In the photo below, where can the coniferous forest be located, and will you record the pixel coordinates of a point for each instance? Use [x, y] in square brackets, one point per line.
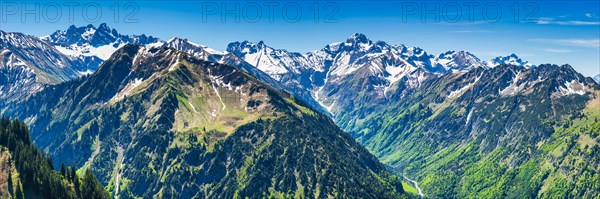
[27, 172]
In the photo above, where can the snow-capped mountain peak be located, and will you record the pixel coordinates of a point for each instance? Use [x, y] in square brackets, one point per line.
[95, 37]
[92, 45]
[511, 59]
[358, 38]
[453, 61]
[246, 47]
[357, 43]
[274, 62]
[597, 78]
[192, 48]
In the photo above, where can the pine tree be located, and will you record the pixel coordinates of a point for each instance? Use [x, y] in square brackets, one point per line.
[63, 170]
[73, 175]
[49, 160]
[91, 188]
[76, 183]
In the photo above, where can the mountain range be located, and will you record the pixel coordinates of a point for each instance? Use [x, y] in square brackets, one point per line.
[157, 122]
[418, 113]
[93, 44]
[500, 132]
[147, 116]
[369, 68]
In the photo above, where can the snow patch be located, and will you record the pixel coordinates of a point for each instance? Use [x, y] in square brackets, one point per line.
[86, 50]
[469, 117]
[460, 91]
[87, 72]
[513, 88]
[217, 81]
[572, 87]
[127, 90]
[172, 67]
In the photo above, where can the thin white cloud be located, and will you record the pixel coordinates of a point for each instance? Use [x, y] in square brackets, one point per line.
[547, 20]
[472, 31]
[589, 15]
[586, 43]
[543, 22]
[556, 50]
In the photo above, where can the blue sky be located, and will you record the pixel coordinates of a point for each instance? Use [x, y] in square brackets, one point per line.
[557, 32]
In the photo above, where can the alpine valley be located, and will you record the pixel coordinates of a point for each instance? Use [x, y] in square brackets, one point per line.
[459, 126]
[355, 119]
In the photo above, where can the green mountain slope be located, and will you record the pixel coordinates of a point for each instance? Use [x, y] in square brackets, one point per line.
[505, 132]
[26, 172]
[159, 123]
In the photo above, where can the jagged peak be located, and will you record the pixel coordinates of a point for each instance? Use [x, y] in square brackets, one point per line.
[358, 38]
[458, 53]
[463, 55]
[380, 43]
[104, 26]
[247, 46]
[184, 44]
[94, 36]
